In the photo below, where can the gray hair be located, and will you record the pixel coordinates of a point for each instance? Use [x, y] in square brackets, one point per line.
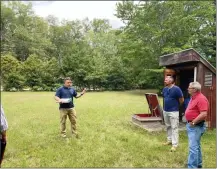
[195, 85]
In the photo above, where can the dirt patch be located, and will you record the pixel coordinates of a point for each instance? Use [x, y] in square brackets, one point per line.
[152, 126]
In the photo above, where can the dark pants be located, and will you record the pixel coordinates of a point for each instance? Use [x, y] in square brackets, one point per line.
[3, 145]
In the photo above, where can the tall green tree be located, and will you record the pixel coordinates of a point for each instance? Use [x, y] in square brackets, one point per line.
[163, 27]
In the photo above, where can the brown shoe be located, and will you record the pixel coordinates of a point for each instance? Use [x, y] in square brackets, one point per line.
[173, 148]
[63, 135]
[167, 143]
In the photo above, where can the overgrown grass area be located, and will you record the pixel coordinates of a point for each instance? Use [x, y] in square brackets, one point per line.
[107, 136]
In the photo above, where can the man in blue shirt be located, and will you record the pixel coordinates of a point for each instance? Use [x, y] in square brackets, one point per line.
[173, 97]
[64, 96]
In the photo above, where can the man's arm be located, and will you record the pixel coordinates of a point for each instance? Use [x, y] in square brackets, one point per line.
[202, 116]
[58, 100]
[82, 93]
[181, 100]
[4, 138]
[180, 96]
[78, 96]
[203, 109]
[57, 96]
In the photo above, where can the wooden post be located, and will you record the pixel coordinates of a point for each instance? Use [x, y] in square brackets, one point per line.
[195, 74]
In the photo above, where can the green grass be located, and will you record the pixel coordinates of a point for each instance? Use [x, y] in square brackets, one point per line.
[108, 138]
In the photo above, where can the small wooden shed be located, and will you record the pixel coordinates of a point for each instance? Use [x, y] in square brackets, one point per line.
[188, 66]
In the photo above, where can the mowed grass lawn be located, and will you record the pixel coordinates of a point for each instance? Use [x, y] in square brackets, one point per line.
[107, 136]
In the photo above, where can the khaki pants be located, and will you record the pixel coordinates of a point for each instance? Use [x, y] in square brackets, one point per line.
[171, 120]
[71, 113]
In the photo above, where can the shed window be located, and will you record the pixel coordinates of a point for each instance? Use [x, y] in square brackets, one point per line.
[208, 79]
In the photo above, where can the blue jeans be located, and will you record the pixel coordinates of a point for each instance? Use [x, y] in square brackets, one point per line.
[194, 136]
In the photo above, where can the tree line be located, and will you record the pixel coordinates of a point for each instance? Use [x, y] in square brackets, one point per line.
[38, 52]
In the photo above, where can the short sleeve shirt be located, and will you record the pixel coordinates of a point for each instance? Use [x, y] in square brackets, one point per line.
[66, 93]
[171, 98]
[197, 104]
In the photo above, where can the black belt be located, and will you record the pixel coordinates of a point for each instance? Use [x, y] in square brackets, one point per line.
[198, 124]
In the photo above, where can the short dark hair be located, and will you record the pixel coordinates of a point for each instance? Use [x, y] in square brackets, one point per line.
[67, 78]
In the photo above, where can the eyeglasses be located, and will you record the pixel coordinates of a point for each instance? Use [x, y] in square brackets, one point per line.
[190, 88]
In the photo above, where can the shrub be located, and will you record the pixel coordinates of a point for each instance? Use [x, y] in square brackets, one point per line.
[14, 80]
[37, 88]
